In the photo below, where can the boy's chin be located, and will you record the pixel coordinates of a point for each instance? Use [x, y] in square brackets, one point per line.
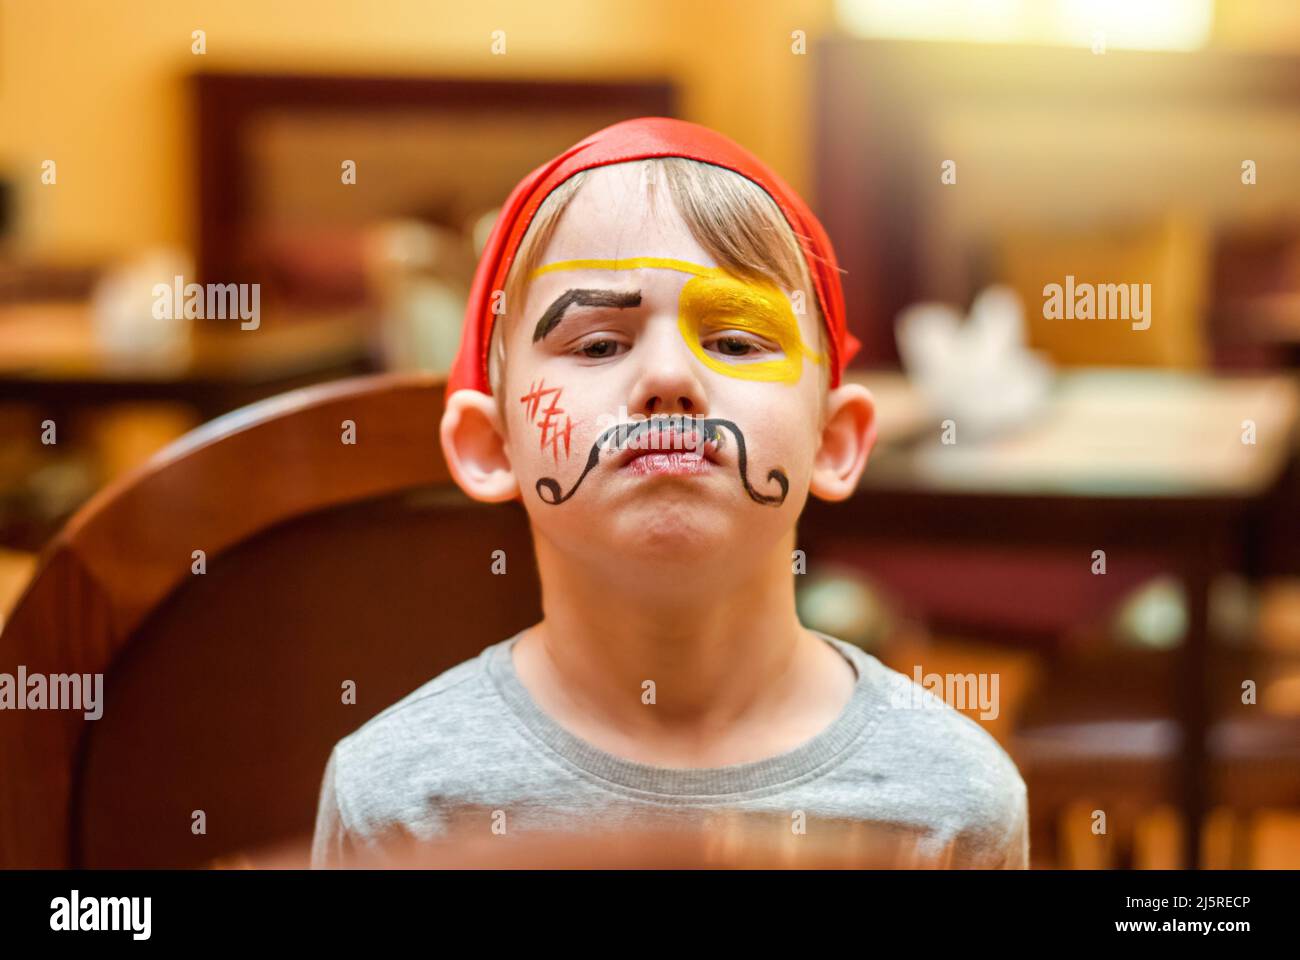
[679, 534]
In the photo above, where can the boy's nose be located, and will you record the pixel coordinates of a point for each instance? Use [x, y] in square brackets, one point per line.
[668, 374]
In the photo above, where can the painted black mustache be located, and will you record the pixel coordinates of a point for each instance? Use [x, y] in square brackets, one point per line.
[623, 434]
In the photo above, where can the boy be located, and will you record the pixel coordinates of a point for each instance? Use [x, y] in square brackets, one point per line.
[651, 362]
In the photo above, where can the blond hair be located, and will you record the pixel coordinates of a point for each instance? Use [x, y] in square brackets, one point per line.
[730, 216]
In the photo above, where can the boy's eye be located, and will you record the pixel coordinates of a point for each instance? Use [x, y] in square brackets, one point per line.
[735, 345]
[598, 349]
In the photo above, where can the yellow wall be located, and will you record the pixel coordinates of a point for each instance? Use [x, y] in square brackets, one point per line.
[99, 86]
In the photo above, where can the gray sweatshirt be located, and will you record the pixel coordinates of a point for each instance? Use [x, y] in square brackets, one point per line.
[473, 737]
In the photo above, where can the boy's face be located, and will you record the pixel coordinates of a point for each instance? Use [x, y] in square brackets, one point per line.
[594, 347]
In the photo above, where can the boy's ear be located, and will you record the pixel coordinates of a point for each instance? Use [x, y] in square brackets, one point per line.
[846, 441]
[473, 441]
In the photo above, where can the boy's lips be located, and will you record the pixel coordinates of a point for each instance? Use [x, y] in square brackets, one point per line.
[668, 447]
[670, 463]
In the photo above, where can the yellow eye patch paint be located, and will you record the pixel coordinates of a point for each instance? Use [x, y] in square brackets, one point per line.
[714, 301]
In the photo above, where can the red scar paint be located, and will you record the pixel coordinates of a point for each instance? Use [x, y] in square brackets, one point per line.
[552, 432]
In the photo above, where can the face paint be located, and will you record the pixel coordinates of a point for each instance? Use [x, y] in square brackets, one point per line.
[633, 435]
[549, 425]
[713, 304]
[714, 301]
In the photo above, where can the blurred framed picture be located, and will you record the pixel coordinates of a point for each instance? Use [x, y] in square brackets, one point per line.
[293, 169]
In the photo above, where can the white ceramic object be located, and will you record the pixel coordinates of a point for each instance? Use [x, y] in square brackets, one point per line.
[977, 372]
[127, 326]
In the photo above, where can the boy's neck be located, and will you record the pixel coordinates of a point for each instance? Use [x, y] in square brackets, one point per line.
[722, 644]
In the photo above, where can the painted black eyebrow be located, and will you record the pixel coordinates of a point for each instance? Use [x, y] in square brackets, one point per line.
[587, 298]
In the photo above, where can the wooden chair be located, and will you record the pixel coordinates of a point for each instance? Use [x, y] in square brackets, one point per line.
[326, 562]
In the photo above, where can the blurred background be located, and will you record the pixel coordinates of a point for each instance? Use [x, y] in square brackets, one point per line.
[1102, 513]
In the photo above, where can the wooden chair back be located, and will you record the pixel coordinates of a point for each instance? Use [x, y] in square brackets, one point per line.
[327, 567]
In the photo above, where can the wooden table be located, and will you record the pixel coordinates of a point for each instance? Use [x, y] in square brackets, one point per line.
[1147, 461]
[49, 355]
